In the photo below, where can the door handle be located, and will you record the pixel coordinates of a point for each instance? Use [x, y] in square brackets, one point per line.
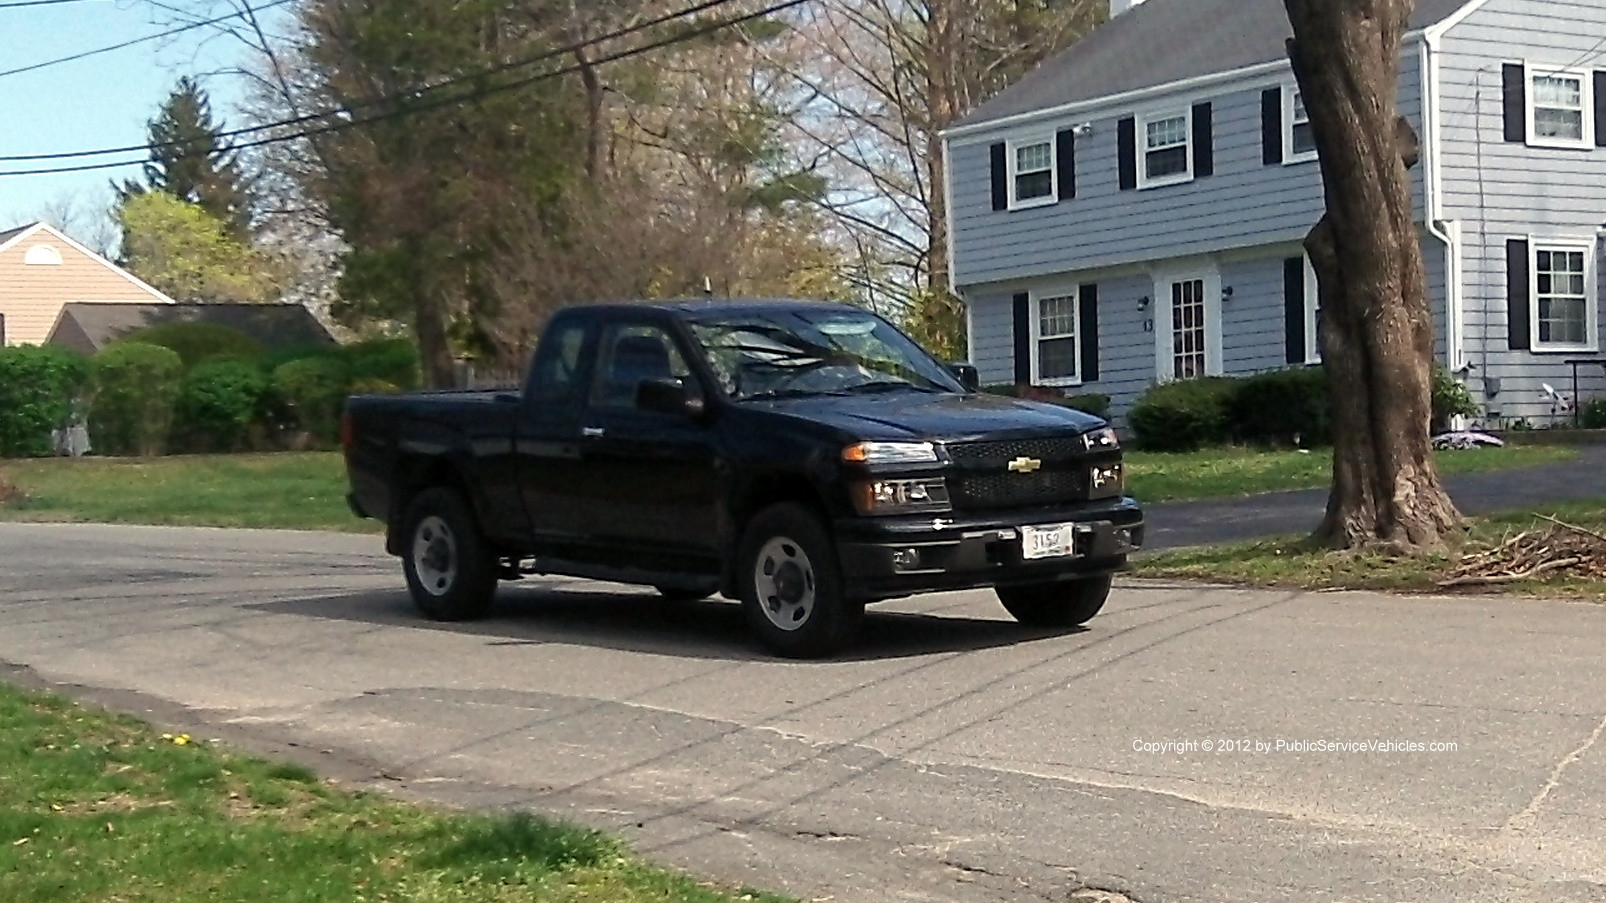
[591, 432]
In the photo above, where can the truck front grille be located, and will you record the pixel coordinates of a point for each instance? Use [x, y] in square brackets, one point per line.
[981, 478]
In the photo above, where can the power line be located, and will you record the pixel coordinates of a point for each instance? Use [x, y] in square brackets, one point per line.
[342, 125]
[18, 4]
[701, 7]
[34, 67]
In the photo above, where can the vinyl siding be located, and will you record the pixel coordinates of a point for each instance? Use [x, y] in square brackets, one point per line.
[32, 295]
[1245, 204]
[1500, 190]
[1253, 339]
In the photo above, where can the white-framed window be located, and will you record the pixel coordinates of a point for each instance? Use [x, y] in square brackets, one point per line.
[1560, 113]
[1299, 142]
[1165, 148]
[1564, 314]
[1187, 325]
[1033, 181]
[1056, 348]
[1313, 315]
[42, 255]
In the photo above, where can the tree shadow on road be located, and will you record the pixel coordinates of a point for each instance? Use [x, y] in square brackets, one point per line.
[642, 621]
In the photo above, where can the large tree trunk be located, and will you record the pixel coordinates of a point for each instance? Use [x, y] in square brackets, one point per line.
[1376, 330]
[942, 107]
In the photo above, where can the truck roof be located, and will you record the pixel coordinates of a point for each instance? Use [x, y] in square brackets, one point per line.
[718, 305]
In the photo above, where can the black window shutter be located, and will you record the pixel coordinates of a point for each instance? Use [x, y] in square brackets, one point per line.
[1271, 126]
[1294, 308]
[1517, 329]
[1087, 311]
[1065, 160]
[1204, 149]
[1000, 177]
[1600, 107]
[1126, 140]
[1515, 77]
[1023, 339]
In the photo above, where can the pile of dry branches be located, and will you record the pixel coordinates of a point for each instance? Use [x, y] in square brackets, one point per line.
[1560, 549]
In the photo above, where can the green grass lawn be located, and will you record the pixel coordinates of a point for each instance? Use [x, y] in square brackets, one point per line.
[98, 807]
[1219, 473]
[296, 490]
[1288, 561]
[306, 490]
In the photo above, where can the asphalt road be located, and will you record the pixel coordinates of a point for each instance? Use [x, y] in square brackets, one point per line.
[954, 756]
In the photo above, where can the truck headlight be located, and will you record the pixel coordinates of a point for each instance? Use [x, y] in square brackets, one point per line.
[1101, 439]
[890, 453]
[901, 496]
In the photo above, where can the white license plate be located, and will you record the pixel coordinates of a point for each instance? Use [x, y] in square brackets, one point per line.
[1054, 541]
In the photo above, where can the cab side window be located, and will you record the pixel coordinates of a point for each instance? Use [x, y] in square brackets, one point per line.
[557, 364]
[629, 355]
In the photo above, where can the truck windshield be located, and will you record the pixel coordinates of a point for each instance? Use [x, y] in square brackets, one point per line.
[793, 352]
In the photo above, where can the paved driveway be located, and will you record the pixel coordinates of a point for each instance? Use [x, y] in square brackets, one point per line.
[953, 757]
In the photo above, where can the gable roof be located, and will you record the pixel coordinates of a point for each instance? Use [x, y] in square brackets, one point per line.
[7, 235]
[89, 326]
[1159, 42]
[12, 236]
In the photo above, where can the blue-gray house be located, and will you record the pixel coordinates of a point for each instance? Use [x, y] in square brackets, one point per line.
[1132, 211]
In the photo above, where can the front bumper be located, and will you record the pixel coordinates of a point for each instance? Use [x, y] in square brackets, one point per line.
[886, 557]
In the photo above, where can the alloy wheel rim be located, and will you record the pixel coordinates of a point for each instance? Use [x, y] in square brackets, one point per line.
[435, 555]
[784, 579]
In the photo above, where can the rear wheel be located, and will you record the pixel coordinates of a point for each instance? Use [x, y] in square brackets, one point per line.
[791, 586]
[1066, 603]
[450, 571]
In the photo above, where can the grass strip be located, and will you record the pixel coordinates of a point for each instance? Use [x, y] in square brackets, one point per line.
[1224, 473]
[96, 807]
[1290, 561]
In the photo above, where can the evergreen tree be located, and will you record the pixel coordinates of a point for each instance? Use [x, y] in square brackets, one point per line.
[192, 163]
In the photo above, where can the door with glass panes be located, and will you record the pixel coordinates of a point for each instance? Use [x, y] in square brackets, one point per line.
[1187, 326]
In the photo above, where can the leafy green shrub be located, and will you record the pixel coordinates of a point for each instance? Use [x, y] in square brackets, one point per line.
[197, 343]
[1184, 415]
[1282, 407]
[391, 361]
[1592, 414]
[1450, 399]
[136, 388]
[315, 390]
[218, 402]
[38, 388]
[1088, 403]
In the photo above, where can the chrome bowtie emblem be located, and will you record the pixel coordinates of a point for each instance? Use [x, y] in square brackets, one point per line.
[1024, 465]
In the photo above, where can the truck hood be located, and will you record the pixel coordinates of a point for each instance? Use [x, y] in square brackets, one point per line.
[920, 415]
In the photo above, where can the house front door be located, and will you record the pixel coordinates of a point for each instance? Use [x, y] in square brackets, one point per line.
[1188, 326]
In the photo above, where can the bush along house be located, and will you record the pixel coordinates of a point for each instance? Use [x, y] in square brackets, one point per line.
[1133, 210]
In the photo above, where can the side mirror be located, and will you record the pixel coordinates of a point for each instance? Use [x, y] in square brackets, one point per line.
[967, 374]
[668, 395]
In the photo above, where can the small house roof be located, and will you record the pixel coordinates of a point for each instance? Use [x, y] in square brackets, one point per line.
[89, 326]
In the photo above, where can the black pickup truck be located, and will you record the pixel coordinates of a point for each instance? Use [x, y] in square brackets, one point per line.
[806, 458]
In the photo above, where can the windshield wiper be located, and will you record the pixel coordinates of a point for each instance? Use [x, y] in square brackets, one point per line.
[772, 394]
[887, 385]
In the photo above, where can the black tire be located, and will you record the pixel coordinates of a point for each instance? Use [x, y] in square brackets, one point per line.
[791, 584]
[1066, 603]
[450, 571]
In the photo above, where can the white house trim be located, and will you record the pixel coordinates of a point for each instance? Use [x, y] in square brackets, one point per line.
[157, 296]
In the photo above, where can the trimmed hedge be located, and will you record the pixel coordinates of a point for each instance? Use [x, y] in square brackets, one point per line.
[1282, 407]
[315, 390]
[217, 404]
[197, 343]
[39, 387]
[1185, 415]
[136, 388]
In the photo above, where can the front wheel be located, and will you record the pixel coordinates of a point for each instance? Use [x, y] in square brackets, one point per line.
[791, 586]
[450, 571]
[1066, 603]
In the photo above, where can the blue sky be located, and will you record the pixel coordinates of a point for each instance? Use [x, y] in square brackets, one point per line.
[103, 101]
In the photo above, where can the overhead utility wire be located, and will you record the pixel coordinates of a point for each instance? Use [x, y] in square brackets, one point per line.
[449, 101]
[34, 67]
[445, 83]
